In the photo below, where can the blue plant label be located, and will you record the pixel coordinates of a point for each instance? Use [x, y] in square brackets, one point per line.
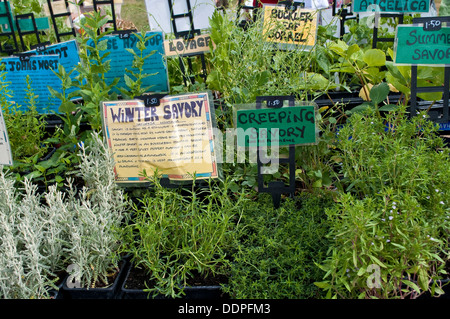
[39, 69]
[121, 60]
[69, 57]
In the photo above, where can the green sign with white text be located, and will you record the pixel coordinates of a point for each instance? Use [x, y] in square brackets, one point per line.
[391, 5]
[294, 125]
[416, 46]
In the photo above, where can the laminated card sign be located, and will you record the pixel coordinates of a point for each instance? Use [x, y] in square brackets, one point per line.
[39, 70]
[174, 138]
[119, 46]
[391, 6]
[418, 45]
[290, 28]
[294, 125]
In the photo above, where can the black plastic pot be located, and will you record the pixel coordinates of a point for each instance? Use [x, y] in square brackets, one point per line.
[192, 292]
[110, 292]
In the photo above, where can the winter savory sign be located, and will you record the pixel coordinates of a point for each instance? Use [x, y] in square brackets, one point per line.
[174, 138]
[416, 45]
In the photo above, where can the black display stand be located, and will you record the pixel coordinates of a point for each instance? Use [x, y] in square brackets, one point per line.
[97, 3]
[377, 39]
[344, 15]
[436, 117]
[276, 188]
[7, 47]
[187, 34]
[35, 30]
[54, 16]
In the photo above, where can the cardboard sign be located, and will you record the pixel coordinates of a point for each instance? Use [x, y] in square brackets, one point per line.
[286, 126]
[174, 138]
[416, 46]
[160, 17]
[5, 147]
[391, 5]
[40, 71]
[290, 28]
[121, 60]
[182, 47]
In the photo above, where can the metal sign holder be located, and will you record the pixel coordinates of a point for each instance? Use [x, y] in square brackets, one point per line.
[344, 14]
[55, 16]
[188, 34]
[276, 188]
[113, 13]
[10, 34]
[378, 15]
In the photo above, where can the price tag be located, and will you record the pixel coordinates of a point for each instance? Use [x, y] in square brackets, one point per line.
[150, 100]
[432, 25]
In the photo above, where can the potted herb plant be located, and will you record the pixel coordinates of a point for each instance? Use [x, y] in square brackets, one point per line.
[180, 237]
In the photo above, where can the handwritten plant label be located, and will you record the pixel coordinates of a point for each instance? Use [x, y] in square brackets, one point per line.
[286, 126]
[182, 47]
[68, 54]
[391, 5]
[290, 28]
[5, 147]
[121, 60]
[175, 138]
[39, 69]
[416, 46]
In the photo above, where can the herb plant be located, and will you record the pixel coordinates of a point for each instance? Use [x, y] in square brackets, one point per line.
[175, 237]
[390, 229]
[275, 249]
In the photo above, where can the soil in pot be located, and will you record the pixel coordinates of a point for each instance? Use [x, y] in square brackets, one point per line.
[198, 287]
[101, 290]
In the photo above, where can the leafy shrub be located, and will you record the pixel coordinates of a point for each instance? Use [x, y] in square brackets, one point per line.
[390, 228]
[275, 250]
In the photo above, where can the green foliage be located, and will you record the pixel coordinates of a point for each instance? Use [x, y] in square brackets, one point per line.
[26, 129]
[393, 212]
[245, 65]
[174, 236]
[275, 249]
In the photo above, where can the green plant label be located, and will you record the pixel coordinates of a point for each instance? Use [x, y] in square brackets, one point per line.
[39, 69]
[415, 46]
[286, 126]
[391, 6]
